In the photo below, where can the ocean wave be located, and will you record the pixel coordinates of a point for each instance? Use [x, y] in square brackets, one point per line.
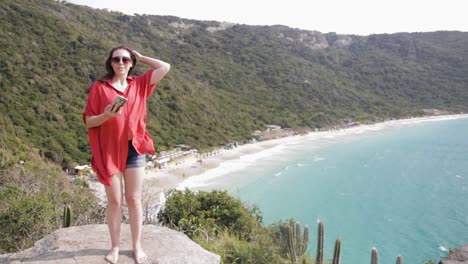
[442, 248]
[230, 166]
[317, 158]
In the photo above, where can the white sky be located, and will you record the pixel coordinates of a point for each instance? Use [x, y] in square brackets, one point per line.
[360, 17]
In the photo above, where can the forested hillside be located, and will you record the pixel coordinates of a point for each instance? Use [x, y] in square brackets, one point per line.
[226, 81]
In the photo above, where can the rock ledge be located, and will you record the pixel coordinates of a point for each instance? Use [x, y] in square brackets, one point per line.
[458, 256]
[89, 244]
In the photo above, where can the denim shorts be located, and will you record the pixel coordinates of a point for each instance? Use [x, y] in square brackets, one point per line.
[134, 159]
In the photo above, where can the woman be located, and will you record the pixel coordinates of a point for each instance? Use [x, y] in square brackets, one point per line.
[119, 140]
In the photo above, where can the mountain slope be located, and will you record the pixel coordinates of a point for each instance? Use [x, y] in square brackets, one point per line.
[227, 80]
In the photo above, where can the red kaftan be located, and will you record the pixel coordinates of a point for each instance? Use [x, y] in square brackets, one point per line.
[109, 141]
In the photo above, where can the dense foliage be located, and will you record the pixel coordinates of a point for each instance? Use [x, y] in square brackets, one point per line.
[225, 225]
[188, 211]
[32, 201]
[227, 80]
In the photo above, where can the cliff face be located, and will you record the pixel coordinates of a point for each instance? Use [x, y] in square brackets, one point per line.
[89, 244]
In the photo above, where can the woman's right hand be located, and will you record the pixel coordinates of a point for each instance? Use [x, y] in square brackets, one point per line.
[108, 111]
[97, 120]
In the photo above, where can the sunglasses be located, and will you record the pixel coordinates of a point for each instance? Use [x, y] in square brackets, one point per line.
[125, 60]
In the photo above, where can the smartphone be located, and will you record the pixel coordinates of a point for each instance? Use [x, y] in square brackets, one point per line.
[119, 102]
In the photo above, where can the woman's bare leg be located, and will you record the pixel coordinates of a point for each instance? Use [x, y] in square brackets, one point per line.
[114, 215]
[133, 185]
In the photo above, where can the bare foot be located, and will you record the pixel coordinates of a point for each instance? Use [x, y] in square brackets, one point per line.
[112, 256]
[140, 256]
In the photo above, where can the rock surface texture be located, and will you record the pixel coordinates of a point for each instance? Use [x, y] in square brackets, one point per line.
[89, 244]
[458, 256]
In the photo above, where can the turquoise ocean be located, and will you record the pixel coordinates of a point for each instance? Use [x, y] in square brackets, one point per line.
[401, 188]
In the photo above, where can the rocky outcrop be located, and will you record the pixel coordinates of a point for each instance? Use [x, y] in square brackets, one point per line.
[88, 244]
[458, 256]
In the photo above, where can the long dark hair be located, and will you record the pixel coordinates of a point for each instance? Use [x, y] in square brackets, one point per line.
[110, 72]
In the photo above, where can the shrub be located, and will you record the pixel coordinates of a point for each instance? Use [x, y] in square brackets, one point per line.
[209, 213]
[232, 249]
[25, 218]
[224, 225]
[31, 203]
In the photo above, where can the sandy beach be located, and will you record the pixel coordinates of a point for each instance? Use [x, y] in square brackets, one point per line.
[183, 175]
[172, 177]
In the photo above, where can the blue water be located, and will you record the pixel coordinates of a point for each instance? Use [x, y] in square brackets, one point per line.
[403, 190]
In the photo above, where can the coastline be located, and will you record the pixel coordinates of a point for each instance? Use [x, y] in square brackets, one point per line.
[192, 173]
[174, 176]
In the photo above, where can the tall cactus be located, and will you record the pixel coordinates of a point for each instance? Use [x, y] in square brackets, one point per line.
[399, 260]
[295, 242]
[374, 256]
[302, 241]
[67, 215]
[337, 252]
[319, 258]
[292, 244]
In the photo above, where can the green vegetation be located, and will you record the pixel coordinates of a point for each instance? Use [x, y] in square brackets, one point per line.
[224, 225]
[319, 256]
[296, 242]
[67, 216]
[374, 256]
[337, 252]
[189, 211]
[224, 84]
[399, 260]
[32, 202]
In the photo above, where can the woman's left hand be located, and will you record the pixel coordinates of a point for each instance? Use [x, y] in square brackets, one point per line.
[137, 55]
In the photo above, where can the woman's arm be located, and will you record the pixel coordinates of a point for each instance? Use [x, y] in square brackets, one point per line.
[161, 67]
[97, 120]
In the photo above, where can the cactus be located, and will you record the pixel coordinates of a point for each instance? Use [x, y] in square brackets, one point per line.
[337, 252]
[399, 260]
[374, 256]
[301, 241]
[295, 242]
[292, 244]
[319, 258]
[67, 216]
